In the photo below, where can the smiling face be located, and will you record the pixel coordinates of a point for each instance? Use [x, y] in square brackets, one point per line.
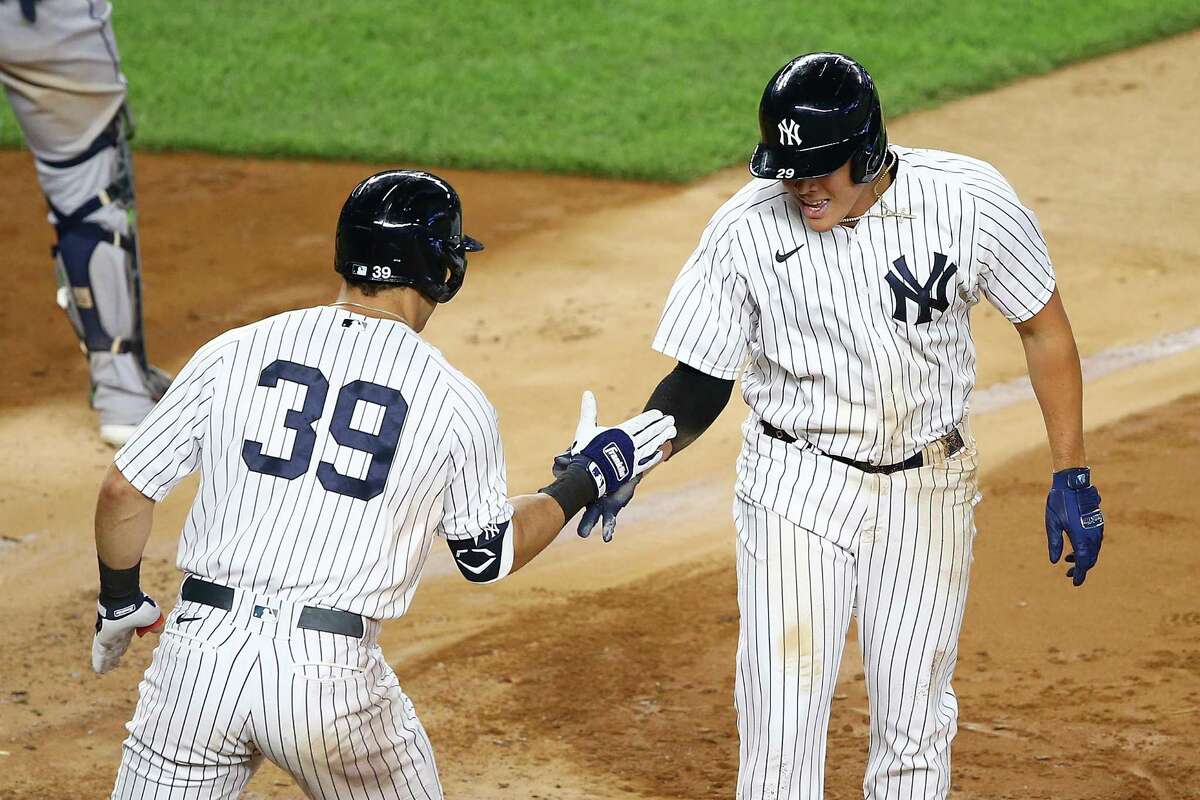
[827, 200]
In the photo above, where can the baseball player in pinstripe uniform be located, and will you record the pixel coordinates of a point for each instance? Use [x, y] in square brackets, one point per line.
[333, 444]
[60, 70]
[845, 273]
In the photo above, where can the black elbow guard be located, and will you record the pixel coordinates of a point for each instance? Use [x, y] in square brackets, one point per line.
[486, 558]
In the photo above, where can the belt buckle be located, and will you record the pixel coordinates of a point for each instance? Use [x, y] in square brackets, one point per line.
[941, 450]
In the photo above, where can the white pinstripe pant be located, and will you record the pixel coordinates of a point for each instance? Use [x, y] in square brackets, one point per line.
[226, 688]
[904, 570]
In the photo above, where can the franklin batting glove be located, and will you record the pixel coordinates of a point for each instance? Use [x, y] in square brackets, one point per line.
[115, 626]
[1073, 507]
[614, 456]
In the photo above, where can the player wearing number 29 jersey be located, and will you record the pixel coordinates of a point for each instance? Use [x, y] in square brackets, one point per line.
[333, 444]
[405, 447]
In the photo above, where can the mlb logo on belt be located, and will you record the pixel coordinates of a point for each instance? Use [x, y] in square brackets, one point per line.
[264, 611]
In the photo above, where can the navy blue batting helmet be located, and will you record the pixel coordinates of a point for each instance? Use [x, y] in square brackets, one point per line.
[404, 228]
[818, 112]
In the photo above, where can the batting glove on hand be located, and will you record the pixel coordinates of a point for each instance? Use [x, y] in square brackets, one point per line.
[606, 507]
[115, 626]
[1073, 506]
[615, 456]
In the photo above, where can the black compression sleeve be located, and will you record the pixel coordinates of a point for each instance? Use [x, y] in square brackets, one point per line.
[572, 490]
[118, 585]
[693, 398]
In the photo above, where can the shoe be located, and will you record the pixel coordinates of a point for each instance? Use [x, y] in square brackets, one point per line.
[116, 435]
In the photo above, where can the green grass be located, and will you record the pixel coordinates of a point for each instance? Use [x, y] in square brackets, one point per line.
[660, 90]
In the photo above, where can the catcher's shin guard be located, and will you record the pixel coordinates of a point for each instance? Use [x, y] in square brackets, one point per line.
[97, 265]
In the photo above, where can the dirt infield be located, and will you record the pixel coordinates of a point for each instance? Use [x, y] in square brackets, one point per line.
[605, 671]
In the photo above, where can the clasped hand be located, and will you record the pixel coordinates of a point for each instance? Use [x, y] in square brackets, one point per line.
[646, 434]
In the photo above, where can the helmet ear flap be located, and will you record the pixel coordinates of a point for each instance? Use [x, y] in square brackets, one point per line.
[869, 159]
[445, 268]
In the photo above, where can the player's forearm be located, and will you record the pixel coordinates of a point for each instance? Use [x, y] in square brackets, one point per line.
[1054, 371]
[694, 399]
[124, 517]
[537, 520]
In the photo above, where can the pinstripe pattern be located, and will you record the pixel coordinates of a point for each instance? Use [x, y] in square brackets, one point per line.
[904, 567]
[827, 361]
[292, 539]
[227, 688]
[860, 355]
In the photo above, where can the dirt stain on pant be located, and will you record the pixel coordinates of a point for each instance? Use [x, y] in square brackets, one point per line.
[801, 658]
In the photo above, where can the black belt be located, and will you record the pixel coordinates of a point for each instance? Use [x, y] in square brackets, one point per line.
[329, 620]
[953, 442]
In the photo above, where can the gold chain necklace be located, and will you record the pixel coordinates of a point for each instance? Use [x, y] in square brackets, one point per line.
[885, 212]
[371, 308]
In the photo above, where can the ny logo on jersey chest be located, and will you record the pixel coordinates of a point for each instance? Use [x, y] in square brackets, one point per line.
[927, 297]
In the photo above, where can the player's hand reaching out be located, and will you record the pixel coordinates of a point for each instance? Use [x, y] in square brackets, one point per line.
[605, 508]
[1073, 507]
[615, 456]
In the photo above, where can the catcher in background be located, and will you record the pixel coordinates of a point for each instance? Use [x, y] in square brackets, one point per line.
[60, 69]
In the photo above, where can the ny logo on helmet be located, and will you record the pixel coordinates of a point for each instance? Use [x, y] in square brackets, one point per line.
[928, 297]
[789, 132]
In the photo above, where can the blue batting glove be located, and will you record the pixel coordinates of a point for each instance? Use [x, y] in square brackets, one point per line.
[605, 508]
[1073, 507]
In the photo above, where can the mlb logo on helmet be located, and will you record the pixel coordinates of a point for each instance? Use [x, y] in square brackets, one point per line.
[360, 271]
[612, 451]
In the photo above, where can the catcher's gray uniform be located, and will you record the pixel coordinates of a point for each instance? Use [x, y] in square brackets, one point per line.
[60, 70]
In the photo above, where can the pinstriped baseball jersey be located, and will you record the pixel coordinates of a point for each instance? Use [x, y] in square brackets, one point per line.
[858, 338]
[858, 344]
[332, 448]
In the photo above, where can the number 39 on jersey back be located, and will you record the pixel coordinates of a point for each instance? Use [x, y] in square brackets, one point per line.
[325, 437]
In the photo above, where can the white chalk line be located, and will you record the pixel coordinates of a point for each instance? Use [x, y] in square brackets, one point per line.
[693, 499]
[699, 498]
[1106, 362]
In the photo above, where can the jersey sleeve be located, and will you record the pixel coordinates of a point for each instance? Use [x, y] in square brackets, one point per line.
[709, 316]
[166, 446]
[1015, 271]
[476, 497]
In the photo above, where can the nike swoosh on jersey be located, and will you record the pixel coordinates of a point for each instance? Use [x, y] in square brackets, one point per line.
[781, 257]
[187, 619]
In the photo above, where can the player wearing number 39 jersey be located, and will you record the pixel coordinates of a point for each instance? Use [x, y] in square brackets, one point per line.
[333, 445]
